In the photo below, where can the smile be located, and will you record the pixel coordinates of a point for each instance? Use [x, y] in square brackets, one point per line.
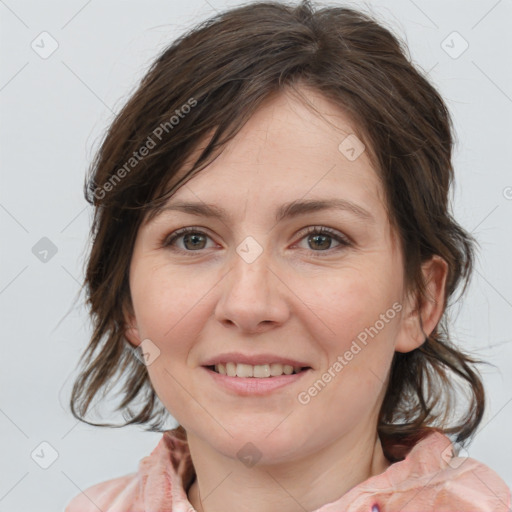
[259, 371]
[252, 385]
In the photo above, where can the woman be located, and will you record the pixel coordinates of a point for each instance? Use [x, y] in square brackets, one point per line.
[272, 237]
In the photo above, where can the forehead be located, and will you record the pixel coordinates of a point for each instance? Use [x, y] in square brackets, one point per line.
[288, 150]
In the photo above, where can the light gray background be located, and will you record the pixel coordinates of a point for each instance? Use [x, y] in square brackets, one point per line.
[53, 114]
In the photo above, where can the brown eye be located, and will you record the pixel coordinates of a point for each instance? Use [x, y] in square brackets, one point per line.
[196, 241]
[320, 239]
[193, 240]
[322, 242]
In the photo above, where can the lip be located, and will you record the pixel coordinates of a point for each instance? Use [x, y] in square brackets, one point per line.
[254, 386]
[237, 357]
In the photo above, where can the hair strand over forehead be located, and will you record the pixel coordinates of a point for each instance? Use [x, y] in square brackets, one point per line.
[204, 87]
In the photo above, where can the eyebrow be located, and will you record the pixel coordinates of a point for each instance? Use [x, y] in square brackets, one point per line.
[285, 211]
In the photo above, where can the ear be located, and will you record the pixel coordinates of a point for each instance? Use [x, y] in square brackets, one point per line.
[419, 322]
[131, 330]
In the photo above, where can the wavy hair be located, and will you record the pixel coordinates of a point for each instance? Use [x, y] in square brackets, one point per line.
[208, 83]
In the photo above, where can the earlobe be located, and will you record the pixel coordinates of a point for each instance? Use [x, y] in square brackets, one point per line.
[419, 320]
[132, 335]
[131, 332]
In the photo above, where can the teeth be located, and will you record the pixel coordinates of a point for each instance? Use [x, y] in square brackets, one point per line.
[276, 369]
[231, 369]
[287, 369]
[244, 370]
[260, 371]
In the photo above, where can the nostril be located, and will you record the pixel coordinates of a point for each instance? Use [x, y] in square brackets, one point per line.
[375, 508]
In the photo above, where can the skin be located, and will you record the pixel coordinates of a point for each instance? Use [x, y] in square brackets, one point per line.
[201, 302]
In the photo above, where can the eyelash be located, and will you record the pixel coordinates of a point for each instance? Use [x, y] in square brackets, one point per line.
[317, 230]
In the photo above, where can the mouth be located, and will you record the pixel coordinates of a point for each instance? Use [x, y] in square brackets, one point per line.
[259, 371]
[259, 380]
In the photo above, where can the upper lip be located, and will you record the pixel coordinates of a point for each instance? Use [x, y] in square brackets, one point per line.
[256, 359]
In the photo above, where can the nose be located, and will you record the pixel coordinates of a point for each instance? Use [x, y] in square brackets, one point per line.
[253, 295]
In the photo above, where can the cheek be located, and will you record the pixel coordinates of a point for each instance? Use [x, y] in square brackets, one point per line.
[362, 310]
[167, 304]
[171, 314]
[363, 320]
[347, 305]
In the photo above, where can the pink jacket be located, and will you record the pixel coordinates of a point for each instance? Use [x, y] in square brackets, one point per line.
[429, 478]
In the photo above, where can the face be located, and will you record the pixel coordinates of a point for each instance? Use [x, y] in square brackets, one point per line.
[320, 289]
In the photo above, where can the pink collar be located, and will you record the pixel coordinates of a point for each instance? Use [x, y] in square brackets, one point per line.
[429, 478]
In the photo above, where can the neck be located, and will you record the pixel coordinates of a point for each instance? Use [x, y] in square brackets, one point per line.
[223, 484]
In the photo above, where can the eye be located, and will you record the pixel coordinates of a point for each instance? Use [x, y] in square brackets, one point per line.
[193, 239]
[320, 238]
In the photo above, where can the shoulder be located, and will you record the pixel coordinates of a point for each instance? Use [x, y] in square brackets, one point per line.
[436, 478]
[118, 492]
[431, 477]
[158, 483]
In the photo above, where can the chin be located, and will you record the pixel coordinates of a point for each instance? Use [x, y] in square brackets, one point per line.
[272, 445]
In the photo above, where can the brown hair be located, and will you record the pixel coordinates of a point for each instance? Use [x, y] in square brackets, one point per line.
[209, 82]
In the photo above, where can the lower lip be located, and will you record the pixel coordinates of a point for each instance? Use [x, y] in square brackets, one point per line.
[251, 386]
